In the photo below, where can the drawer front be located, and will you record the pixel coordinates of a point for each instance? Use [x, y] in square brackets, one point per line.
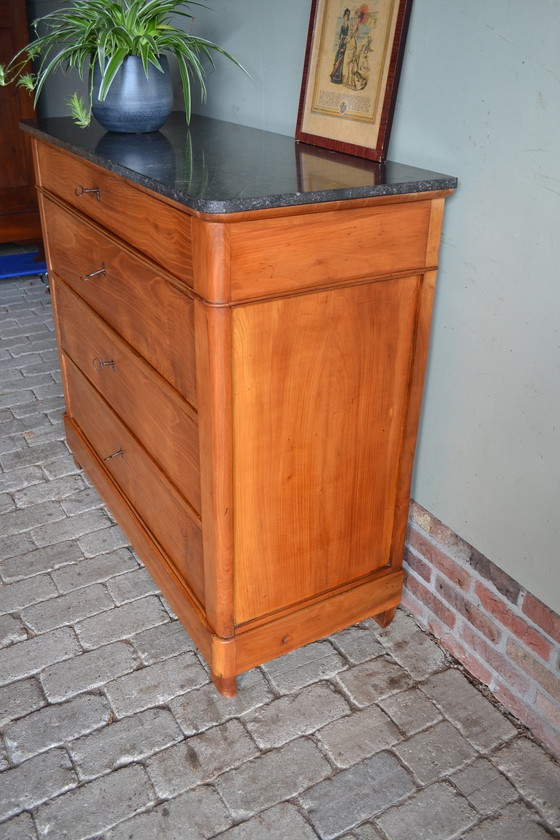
[175, 527]
[163, 422]
[327, 249]
[158, 230]
[130, 294]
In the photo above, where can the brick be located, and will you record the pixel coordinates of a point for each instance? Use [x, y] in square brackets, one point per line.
[48, 491]
[505, 584]
[436, 813]
[317, 661]
[200, 758]
[514, 822]
[294, 715]
[427, 522]
[451, 643]
[83, 499]
[358, 643]
[434, 753]
[124, 741]
[55, 725]
[40, 560]
[534, 774]
[162, 642]
[485, 788]
[26, 658]
[278, 823]
[410, 710]
[20, 828]
[475, 716]
[191, 816]
[272, 778]
[499, 663]
[35, 781]
[129, 587]
[501, 611]
[67, 609]
[87, 671]
[203, 707]
[97, 806]
[32, 455]
[437, 559]
[411, 647]
[413, 606]
[352, 796]
[28, 519]
[417, 564]
[468, 610]
[71, 528]
[19, 699]
[548, 709]
[120, 622]
[22, 594]
[13, 545]
[18, 479]
[430, 600]
[11, 630]
[103, 540]
[535, 669]
[357, 736]
[525, 711]
[367, 683]
[92, 569]
[155, 684]
[543, 616]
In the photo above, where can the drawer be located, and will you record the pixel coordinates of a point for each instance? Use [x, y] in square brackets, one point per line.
[271, 257]
[170, 520]
[130, 294]
[159, 230]
[158, 417]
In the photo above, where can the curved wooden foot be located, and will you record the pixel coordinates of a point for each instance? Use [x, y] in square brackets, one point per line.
[385, 618]
[227, 686]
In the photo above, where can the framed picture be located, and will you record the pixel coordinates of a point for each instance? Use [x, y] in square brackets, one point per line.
[352, 66]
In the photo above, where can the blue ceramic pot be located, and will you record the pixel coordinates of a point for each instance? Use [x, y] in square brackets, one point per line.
[135, 103]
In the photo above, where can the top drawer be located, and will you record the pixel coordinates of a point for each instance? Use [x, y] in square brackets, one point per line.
[158, 230]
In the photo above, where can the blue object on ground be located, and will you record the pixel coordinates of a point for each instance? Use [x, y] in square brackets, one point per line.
[21, 265]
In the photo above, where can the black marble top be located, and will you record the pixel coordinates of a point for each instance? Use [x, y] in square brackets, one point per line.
[220, 167]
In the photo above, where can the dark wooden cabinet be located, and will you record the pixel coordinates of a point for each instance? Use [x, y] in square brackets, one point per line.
[19, 215]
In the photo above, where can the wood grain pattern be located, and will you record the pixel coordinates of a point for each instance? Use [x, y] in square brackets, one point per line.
[141, 303]
[320, 397]
[270, 258]
[174, 525]
[163, 422]
[158, 230]
[271, 504]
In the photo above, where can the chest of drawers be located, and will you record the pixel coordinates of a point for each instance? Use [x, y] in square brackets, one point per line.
[243, 388]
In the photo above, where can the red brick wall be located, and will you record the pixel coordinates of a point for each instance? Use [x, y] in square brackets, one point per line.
[501, 633]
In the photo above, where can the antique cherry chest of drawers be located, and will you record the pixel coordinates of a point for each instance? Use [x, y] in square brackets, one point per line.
[243, 327]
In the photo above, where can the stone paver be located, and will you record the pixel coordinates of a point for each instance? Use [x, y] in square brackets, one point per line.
[110, 728]
[357, 794]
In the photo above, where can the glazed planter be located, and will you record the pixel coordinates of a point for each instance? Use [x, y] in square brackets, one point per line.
[135, 103]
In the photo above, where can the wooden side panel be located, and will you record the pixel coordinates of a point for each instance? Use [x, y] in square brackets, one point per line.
[161, 420]
[281, 255]
[130, 293]
[320, 399]
[175, 527]
[154, 227]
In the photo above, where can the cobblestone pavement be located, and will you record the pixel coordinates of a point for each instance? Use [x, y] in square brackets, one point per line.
[109, 727]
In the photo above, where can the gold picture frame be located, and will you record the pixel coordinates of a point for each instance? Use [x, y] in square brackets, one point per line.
[352, 66]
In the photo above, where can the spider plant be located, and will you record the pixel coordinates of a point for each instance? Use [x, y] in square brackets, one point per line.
[107, 31]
